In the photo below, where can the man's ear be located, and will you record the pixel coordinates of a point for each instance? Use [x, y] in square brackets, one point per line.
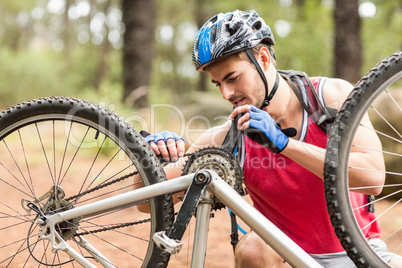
[265, 58]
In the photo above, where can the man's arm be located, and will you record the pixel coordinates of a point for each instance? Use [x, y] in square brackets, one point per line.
[211, 137]
[312, 157]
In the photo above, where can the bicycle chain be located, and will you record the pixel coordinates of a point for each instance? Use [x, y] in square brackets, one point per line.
[98, 188]
[113, 227]
[235, 180]
[102, 186]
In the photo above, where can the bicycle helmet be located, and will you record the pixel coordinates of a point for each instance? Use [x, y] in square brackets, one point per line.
[226, 34]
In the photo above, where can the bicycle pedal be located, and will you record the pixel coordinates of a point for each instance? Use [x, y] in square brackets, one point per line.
[167, 244]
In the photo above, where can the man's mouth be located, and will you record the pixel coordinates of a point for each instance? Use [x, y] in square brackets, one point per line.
[239, 102]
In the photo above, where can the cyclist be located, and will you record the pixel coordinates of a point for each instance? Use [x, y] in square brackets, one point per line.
[283, 174]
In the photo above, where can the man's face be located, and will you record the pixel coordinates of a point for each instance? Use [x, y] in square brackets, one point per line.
[238, 81]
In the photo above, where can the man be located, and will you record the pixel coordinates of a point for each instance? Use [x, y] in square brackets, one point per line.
[235, 49]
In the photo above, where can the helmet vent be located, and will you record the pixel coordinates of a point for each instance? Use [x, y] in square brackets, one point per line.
[257, 25]
[214, 19]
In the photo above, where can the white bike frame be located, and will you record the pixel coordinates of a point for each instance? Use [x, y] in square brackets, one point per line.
[271, 234]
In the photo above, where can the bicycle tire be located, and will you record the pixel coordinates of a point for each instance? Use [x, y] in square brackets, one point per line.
[368, 95]
[76, 145]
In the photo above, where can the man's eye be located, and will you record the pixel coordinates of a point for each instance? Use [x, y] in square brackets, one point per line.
[217, 84]
[234, 78]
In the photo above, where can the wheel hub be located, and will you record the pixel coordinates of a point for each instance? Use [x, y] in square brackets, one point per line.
[55, 204]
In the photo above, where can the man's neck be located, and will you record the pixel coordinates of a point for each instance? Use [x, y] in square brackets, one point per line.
[285, 107]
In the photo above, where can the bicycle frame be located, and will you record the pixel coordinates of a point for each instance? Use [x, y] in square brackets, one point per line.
[271, 234]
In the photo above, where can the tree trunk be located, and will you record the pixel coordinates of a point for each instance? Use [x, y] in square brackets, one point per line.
[67, 30]
[139, 20]
[203, 13]
[106, 47]
[348, 47]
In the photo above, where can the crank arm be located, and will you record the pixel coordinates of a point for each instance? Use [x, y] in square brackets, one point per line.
[193, 196]
[171, 243]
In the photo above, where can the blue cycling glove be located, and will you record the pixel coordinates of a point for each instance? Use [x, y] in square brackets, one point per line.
[164, 135]
[265, 131]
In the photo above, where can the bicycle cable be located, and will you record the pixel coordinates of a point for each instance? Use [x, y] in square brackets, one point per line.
[39, 261]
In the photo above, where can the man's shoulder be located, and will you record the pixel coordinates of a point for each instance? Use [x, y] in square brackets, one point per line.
[336, 91]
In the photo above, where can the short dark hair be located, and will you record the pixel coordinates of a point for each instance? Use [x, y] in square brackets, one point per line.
[256, 50]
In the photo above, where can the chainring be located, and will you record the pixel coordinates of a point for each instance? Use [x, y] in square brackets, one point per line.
[220, 161]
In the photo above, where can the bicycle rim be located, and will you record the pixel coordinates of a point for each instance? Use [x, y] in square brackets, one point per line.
[379, 94]
[57, 153]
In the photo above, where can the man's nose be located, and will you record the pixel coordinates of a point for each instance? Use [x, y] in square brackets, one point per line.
[227, 92]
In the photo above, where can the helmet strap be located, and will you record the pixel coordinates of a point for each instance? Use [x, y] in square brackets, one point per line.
[269, 97]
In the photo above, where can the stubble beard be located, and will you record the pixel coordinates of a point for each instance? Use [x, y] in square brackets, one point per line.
[260, 91]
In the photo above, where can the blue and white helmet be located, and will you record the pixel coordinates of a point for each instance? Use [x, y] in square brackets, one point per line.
[226, 34]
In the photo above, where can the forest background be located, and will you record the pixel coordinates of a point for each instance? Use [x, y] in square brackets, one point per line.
[134, 56]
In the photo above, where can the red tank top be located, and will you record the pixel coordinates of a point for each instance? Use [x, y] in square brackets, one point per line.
[293, 198]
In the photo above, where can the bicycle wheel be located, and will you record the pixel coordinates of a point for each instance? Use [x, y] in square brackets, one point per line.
[61, 153]
[379, 94]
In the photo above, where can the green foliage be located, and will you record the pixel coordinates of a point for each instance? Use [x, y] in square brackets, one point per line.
[382, 34]
[27, 75]
[34, 64]
[16, 6]
[306, 47]
[31, 74]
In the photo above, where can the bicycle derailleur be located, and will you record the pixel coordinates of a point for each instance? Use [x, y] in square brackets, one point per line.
[55, 203]
[220, 161]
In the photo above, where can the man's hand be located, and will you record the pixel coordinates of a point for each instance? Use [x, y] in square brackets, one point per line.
[167, 144]
[259, 126]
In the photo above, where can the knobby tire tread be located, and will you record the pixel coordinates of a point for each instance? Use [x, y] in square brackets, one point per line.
[335, 185]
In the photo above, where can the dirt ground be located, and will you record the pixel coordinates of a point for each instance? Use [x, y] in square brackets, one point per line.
[219, 252]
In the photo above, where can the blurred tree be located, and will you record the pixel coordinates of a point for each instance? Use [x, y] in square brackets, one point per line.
[67, 28]
[15, 24]
[348, 47]
[381, 30]
[300, 5]
[173, 72]
[139, 20]
[203, 12]
[106, 49]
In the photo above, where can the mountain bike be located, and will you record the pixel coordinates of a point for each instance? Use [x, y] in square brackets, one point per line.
[73, 176]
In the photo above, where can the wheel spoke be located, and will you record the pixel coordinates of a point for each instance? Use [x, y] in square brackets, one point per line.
[74, 155]
[387, 122]
[15, 176]
[45, 154]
